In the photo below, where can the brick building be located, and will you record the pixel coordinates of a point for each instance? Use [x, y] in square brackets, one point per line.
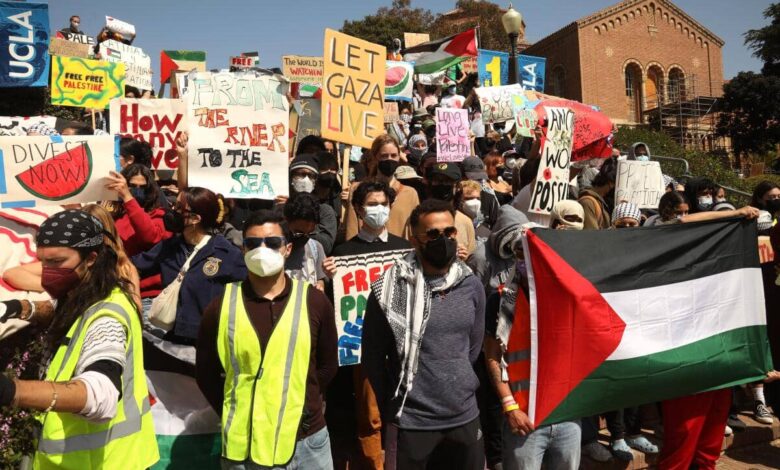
[640, 61]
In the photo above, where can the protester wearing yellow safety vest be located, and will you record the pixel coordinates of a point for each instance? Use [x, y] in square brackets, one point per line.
[265, 353]
[94, 398]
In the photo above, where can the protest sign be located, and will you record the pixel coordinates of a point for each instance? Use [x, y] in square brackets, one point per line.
[126, 30]
[552, 179]
[238, 134]
[353, 91]
[641, 183]
[766, 254]
[185, 61]
[59, 46]
[391, 111]
[532, 72]
[497, 103]
[241, 62]
[24, 61]
[399, 81]
[525, 121]
[452, 135]
[493, 68]
[302, 69]
[39, 170]
[351, 288]
[85, 83]
[75, 37]
[158, 122]
[470, 65]
[436, 78]
[138, 65]
[413, 39]
[17, 125]
[308, 119]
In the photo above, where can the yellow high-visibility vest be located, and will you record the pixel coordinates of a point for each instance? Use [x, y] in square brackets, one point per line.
[264, 393]
[69, 441]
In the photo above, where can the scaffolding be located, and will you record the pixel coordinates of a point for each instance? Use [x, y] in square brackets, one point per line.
[690, 118]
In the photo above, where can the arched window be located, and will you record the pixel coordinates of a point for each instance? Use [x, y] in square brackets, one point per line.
[633, 76]
[676, 87]
[654, 86]
[558, 80]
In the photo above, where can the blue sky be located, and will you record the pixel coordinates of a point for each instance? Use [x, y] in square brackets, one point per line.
[274, 28]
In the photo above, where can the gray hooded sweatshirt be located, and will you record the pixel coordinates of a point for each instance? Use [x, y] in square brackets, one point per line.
[632, 150]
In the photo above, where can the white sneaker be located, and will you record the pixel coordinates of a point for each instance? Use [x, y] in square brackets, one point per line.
[729, 431]
[597, 452]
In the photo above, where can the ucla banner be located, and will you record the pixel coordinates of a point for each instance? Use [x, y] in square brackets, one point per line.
[532, 72]
[493, 68]
[24, 44]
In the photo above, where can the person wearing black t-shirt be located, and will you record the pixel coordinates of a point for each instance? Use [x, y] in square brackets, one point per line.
[350, 395]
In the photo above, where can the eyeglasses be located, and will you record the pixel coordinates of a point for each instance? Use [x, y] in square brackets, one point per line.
[274, 243]
[434, 233]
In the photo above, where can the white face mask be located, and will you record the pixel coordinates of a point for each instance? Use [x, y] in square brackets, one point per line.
[705, 201]
[472, 207]
[303, 185]
[376, 216]
[642, 158]
[264, 262]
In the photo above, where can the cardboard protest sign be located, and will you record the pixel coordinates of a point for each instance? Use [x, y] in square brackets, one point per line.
[308, 119]
[185, 61]
[351, 288]
[59, 46]
[525, 120]
[552, 179]
[452, 135]
[85, 83]
[497, 103]
[138, 65]
[413, 39]
[399, 81]
[238, 134]
[532, 72]
[391, 112]
[493, 68]
[24, 29]
[126, 30]
[641, 183]
[17, 125]
[302, 69]
[74, 37]
[766, 254]
[55, 170]
[158, 122]
[470, 65]
[353, 89]
[241, 62]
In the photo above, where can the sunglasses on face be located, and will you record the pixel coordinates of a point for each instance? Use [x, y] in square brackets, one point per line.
[274, 243]
[434, 233]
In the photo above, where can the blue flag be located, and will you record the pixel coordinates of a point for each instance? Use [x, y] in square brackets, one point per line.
[24, 44]
[532, 72]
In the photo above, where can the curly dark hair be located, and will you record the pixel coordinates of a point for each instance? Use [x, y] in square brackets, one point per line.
[361, 192]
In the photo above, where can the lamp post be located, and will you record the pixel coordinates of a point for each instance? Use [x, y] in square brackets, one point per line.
[512, 21]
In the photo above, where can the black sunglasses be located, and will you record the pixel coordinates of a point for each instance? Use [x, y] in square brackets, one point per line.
[434, 233]
[274, 243]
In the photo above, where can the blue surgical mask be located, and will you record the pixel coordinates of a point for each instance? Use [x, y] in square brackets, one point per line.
[642, 158]
[139, 194]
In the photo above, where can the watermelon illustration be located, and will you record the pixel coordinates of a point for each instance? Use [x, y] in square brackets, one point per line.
[59, 177]
[397, 78]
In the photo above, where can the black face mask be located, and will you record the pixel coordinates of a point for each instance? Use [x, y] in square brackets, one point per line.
[441, 191]
[173, 222]
[388, 167]
[772, 206]
[440, 252]
[330, 181]
[299, 242]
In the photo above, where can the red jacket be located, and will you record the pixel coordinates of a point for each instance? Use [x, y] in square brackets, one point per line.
[139, 232]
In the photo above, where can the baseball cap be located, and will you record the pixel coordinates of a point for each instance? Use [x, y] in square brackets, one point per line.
[474, 168]
[406, 173]
[450, 170]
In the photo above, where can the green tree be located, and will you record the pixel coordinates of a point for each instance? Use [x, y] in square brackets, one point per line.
[486, 16]
[765, 42]
[390, 23]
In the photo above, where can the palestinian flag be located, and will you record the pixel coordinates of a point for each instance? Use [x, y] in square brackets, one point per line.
[170, 61]
[626, 317]
[433, 56]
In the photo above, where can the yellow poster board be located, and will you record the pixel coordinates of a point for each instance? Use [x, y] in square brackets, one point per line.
[353, 89]
[85, 83]
[413, 39]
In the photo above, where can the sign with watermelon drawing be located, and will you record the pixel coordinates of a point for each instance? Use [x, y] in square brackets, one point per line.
[353, 89]
[159, 122]
[238, 127]
[56, 170]
[398, 81]
[610, 331]
[138, 65]
[24, 44]
[85, 83]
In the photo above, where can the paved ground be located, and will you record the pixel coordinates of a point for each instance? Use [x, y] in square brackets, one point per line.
[760, 457]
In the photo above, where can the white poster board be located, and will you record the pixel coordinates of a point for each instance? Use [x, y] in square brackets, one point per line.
[641, 183]
[552, 179]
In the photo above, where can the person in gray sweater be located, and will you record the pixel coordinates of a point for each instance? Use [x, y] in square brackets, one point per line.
[423, 330]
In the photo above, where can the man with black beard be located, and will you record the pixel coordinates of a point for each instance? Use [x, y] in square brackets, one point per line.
[433, 294]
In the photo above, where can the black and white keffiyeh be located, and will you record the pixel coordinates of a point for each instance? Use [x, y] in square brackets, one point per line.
[405, 299]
